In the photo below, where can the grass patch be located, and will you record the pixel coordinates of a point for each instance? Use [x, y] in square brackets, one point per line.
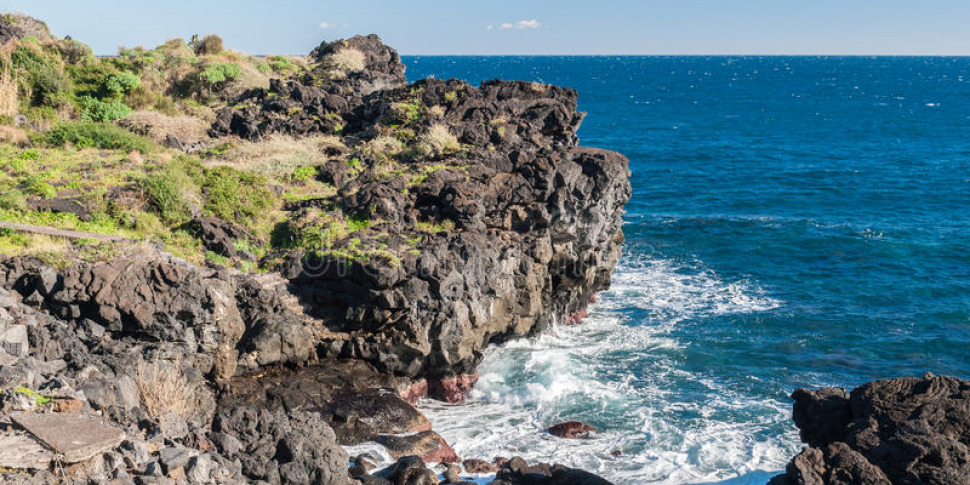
[83, 134]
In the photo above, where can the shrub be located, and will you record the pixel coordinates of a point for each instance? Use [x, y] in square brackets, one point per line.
[164, 388]
[9, 99]
[40, 188]
[163, 193]
[231, 194]
[347, 59]
[74, 52]
[215, 74]
[97, 135]
[121, 83]
[303, 174]
[440, 140]
[93, 109]
[44, 74]
[208, 45]
[282, 65]
[13, 200]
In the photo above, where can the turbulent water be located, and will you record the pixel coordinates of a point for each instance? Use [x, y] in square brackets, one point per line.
[795, 222]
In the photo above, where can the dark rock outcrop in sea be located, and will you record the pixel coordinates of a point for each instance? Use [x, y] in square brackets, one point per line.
[903, 431]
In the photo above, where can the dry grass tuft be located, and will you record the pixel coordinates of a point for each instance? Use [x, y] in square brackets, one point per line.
[13, 136]
[386, 145]
[163, 389]
[347, 59]
[277, 156]
[158, 126]
[440, 140]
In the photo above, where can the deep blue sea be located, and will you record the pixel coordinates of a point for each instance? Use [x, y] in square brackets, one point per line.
[795, 221]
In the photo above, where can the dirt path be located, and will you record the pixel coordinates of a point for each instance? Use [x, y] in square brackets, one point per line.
[50, 231]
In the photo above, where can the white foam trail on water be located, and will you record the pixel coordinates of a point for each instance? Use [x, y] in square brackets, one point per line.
[586, 372]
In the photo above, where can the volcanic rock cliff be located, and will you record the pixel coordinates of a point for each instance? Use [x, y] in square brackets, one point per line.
[460, 216]
[530, 221]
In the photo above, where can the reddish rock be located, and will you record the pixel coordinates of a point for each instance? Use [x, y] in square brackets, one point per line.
[571, 430]
[479, 466]
[575, 318]
[499, 461]
[417, 390]
[67, 405]
[452, 390]
[616, 453]
[430, 446]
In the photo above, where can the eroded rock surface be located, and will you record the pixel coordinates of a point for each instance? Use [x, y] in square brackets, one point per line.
[903, 431]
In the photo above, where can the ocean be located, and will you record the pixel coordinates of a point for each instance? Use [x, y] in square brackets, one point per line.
[795, 222]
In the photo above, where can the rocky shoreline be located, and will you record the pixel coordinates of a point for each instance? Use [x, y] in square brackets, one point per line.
[434, 219]
[446, 218]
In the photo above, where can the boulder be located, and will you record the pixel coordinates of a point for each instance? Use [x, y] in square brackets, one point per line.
[518, 472]
[291, 447]
[74, 438]
[428, 445]
[897, 431]
[571, 430]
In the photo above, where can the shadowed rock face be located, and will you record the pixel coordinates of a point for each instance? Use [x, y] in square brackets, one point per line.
[536, 217]
[903, 431]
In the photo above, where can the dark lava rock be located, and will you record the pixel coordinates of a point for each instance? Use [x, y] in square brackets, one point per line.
[220, 236]
[822, 416]
[518, 472]
[903, 431]
[478, 466]
[281, 447]
[430, 446]
[62, 205]
[571, 430]
[409, 470]
[352, 397]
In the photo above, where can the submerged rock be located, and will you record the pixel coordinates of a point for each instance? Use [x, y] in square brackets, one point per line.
[571, 430]
[903, 431]
[518, 472]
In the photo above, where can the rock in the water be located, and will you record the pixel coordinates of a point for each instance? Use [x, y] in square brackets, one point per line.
[903, 431]
[428, 445]
[409, 470]
[518, 472]
[571, 430]
[75, 438]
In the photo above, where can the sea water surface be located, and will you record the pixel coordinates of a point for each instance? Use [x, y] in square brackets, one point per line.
[795, 222]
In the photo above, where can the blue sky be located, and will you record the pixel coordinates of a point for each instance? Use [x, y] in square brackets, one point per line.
[526, 26]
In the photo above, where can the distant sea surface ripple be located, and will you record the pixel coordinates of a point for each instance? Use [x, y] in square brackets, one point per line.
[795, 222]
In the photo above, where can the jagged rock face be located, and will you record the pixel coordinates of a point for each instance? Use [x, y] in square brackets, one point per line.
[536, 217]
[903, 431]
[278, 447]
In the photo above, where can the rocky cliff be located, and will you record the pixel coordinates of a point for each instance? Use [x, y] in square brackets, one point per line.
[525, 224]
[448, 217]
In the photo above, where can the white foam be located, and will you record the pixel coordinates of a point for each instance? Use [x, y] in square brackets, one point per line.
[628, 376]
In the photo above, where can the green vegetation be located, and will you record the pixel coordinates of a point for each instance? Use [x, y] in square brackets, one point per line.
[84, 134]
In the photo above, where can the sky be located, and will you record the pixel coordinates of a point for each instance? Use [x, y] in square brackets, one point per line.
[504, 27]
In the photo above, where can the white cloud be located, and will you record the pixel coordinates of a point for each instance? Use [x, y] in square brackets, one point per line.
[326, 25]
[521, 25]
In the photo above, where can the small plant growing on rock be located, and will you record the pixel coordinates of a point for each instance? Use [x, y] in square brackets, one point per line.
[163, 389]
[346, 60]
[440, 140]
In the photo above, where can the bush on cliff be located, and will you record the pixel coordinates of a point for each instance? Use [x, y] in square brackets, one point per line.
[84, 134]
